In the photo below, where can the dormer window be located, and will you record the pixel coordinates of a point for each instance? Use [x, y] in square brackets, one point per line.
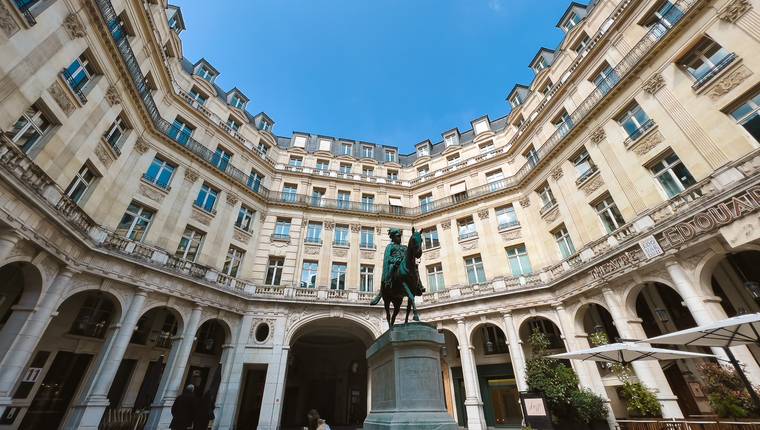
[206, 73]
[390, 156]
[345, 149]
[450, 140]
[572, 20]
[325, 145]
[237, 102]
[540, 64]
[367, 152]
[515, 101]
[423, 151]
[265, 125]
[299, 141]
[174, 18]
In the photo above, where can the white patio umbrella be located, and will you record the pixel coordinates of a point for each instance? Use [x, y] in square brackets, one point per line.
[739, 330]
[627, 352]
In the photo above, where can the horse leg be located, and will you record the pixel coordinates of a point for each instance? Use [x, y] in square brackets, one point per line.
[410, 297]
[396, 305]
[408, 307]
[387, 304]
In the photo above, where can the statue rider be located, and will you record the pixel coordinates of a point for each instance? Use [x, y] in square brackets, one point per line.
[395, 253]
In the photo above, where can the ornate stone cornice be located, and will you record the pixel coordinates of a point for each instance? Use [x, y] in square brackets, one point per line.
[112, 95]
[647, 143]
[735, 10]
[7, 23]
[653, 84]
[592, 185]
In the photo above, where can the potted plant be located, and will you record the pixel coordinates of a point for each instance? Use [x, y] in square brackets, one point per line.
[726, 392]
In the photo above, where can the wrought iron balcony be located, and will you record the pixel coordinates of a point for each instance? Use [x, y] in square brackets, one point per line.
[313, 240]
[280, 237]
[508, 225]
[722, 64]
[636, 134]
[75, 88]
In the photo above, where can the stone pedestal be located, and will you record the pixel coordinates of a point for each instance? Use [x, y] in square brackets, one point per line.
[407, 389]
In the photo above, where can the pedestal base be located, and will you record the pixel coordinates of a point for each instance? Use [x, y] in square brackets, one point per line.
[407, 389]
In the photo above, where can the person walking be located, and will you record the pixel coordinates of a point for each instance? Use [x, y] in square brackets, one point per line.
[204, 412]
[316, 423]
[183, 410]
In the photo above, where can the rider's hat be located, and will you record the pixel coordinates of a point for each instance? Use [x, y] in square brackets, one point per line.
[394, 232]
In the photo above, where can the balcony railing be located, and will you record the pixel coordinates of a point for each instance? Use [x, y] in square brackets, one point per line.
[468, 235]
[280, 237]
[722, 64]
[23, 7]
[585, 175]
[367, 245]
[636, 134]
[508, 224]
[313, 240]
[75, 88]
[340, 242]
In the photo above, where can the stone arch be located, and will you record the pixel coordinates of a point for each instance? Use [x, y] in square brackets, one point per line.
[298, 325]
[731, 276]
[488, 331]
[226, 331]
[579, 310]
[549, 326]
[669, 311]
[83, 284]
[520, 320]
[92, 294]
[593, 316]
[21, 285]
[631, 292]
[223, 319]
[147, 324]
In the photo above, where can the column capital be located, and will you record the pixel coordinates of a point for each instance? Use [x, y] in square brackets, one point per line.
[142, 291]
[67, 272]
[459, 321]
[197, 306]
[672, 261]
[9, 236]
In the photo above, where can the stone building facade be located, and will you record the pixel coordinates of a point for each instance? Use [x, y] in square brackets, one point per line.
[155, 233]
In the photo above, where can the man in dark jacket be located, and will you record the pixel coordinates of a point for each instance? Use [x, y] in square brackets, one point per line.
[183, 410]
[204, 412]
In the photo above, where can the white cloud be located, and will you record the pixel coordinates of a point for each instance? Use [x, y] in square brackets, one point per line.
[494, 5]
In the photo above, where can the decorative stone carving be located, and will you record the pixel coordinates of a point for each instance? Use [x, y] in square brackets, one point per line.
[368, 255]
[483, 213]
[446, 225]
[142, 147]
[151, 193]
[262, 217]
[329, 225]
[592, 185]
[232, 199]
[312, 250]
[340, 252]
[735, 10]
[112, 96]
[598, 135]
[556, 173]
[191, 175]
[729, 82]
[378, 230]
[73, 26]
[241, 235]
[103, 155]
[430, 255]
[525, 202]
[551, 215]
[356, 228]
[7, 23]
[511, 234]
[471, 244]
[59, 95]
[654, 84]
[646, 143]
[201, 217]
[750, 167]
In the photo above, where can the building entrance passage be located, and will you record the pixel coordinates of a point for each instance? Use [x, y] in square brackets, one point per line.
[327, 371]
[501, 402]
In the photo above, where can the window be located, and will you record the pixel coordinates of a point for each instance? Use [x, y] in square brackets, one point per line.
[748, 116]
[174, 23]
[206, 199]
[368, 203]
[494, 341]
[467, 228]
[366, 278]
[323, 165]
[423, 170]
[341, 235]
[197, 97]
[664, 18]
[672, 174]
[518, 260]
[516, 100]
[606, 78]
[80, 184]
[282, 229]
[532, 156]
[423, 151]
[562, 237]
[274, 270]
[94, 316]
[254, 180]
[237, 102]
[189, 244]
[546, 88]
[540, 64]
[78, 75]
[135, 222]
[295, 161]
[547, 197]
[324, 144]
[458, 191]
[345, 148]
[563, 122]
[450, 140]
[486, 146]
[206, 73]
[29, 128]
[367, 152]
[289, 193]
[221, 158]
[367, 239]
[314, 232]
[609, 214]
[263, 148]
[115, 132]
[426, 203]
[309, 274]
[232, 124]
[395, 204]
[452, 159]
[435, 278]
[705, 60]
[318, 197]
[244, 219]
[180, 131]
[474, 267]
[344, 198]
[344, 168]
[635, 121]
[571, 22]
[338, 276]
[160, 173]
[584, 166]
[582, 44]
[390, 156]
[430, 238]
[506, 217]
[549, 329]
[265, 125]
[368, 171]
[495, 180]
[392, 175]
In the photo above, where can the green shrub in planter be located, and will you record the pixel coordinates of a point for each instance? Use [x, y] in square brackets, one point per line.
[726, 392]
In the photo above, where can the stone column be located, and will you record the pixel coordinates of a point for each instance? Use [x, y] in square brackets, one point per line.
[231, 384]
[649, 373]
[88, 414]
[274, 386]
[8, 241]
[705, 313]
[516, 353]
[472, 402]
[26, 342]
[160, 413]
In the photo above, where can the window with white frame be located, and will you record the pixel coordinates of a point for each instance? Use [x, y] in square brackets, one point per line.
[450, 140]
[274, 270]
[29, 128]
[540, 64]
[314, 232]
[340, 235]
[609, 214]
[190, 244]
[197, 97]
[531, 156]
[474, 268]
[423, 151]
[667, 15]
[263, 148]
[634, 121]
[295, 161]
[160, 172]
[564, 242]
[309, 274]
[344, 168]
[423, 170]
[135, 222]
[367, 278]
[367, 151]
[115, 133]
[547, 197]
[81, 183]
[367, 238]
[221, 158]
[368, 202]
[705, 59]
[205, 73]
[289, 193]
[390, 156]
[237, 102]
[244, 219]
[254, 180]
[430, 238]
[581, 45]
[79, 73]
[584, 165]
[495, 179]
[563, 122]
[324, 144]
[282, 229]
[265, 125]
[748, 115]
[233, 124]
[572, 20]
[452, 159]
[345, 148]
[207, 197]
[435, 278]
[606, 78]
[458, 191]
[323, 165]
[673, 176]
[392, 175]
[181, 131]
[467, 228]
[506, 217]
[344, 199]
[338, 276]
[519, 262]
[516, 100]
[318, 197]
[426, 202]
[368, 171]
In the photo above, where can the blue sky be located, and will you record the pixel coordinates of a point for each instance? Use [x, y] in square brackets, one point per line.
[392, 72]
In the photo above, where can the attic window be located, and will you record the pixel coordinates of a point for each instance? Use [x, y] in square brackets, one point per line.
[423, 151]
[299, 141]
[324, 145]
[237, 102]
[450, 140]
[540, 64]
[481, 126]
[515, 100]
[206, 73]
[571, 22]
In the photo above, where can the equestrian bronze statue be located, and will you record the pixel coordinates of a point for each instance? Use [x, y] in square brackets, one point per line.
[401, 277]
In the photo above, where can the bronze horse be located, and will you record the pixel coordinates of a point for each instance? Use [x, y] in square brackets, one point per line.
[405, 282]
